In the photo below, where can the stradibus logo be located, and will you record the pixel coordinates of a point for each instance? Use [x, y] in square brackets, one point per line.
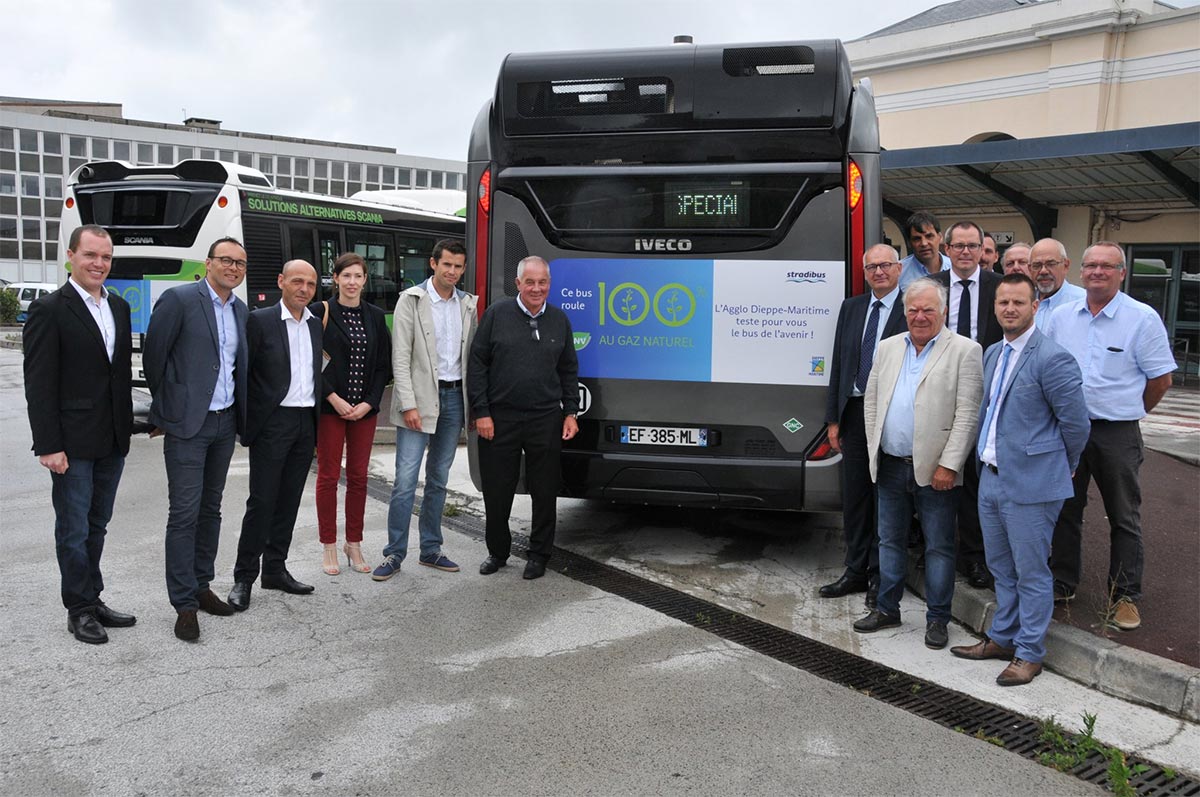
[662, 245]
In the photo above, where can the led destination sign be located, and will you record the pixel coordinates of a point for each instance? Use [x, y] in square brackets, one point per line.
[696, 206]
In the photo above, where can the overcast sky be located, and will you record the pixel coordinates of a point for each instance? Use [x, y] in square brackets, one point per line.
[408, 74]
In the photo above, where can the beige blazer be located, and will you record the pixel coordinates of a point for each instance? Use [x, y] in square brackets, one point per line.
[946, 407]
[414, 355]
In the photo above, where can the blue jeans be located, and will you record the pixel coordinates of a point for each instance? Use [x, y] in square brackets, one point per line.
[410, 447]
[1016, 539]
[196, 471]
[83, 500]
[897, 495]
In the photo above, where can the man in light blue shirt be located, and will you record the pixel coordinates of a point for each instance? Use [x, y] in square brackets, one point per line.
[925, 242]
[1049, 265]
[1122, 349]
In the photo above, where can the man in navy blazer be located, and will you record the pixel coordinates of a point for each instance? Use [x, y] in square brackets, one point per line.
[863, 321]
[1033, 426]
[195, 364]
[281, 430]
[77, 384]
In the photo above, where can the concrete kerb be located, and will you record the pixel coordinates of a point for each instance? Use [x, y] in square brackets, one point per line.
[1094, 661]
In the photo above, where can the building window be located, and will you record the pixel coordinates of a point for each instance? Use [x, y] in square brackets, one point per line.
[283, 165]
[8, 228]
[435, 180]
[31, 229]
[6, 138]
[246, 159]
[338, 188]
[372, 173]
[227, 156]
[422, 179]
[121, 150]
[403, 177]
[302, 167]
[300, 184]
[208, 154]
[8, 185]
[8, 161]
[283, 182]
[100, 148]
[29, 163]
[8, 250]
[54, 188]
[266, 164]
[321, 169]
[339, 170]
[166, 154]
[31, 250]
[30, 185]
[51, 229]
[28, 140]
[145, 153]
[53, 208]
[52, 164]
[52, 143]
[52, 250]
[186, 153]
[78, 147]
[355, 172]
[75, 163]
[321, 186]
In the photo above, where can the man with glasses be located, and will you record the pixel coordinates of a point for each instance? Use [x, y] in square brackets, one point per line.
[1123, 350]
[924, 234]
[1016, 259]
[863, 322]
[195, 364]
[523, 385]
[1048, 265]
[972, 296]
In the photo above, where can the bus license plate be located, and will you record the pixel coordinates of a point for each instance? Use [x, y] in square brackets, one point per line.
[663, 436]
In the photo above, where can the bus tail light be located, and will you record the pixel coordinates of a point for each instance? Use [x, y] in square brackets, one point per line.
[482, 219]
[823, 450]
[854, 194]
[70, 203]
[222, 201]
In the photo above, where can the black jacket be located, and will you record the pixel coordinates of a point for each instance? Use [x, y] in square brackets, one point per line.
[377, 370]
[847, 348]
[987, 327]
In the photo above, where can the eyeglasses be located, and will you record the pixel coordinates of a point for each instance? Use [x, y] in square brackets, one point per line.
[1099, 267]
[1049, 265]
[226, 262]
[876, 266]
[533, 330]
[961, 247]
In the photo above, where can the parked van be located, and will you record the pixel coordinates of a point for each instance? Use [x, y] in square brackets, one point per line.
[28, 291]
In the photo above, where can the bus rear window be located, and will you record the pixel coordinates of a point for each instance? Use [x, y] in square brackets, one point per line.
[145, 207]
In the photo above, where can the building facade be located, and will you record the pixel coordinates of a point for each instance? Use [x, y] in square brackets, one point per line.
[43, 141]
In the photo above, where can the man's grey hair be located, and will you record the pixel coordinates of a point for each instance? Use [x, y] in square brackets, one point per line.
[895, 256]
[1062, 250]
[1108, 245]
[532, 259]
[925, 284]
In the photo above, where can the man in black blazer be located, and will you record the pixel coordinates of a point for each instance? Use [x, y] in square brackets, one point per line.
[971, 314]
[195, 363]
[281, 430]
[862, 322]
[77, 385]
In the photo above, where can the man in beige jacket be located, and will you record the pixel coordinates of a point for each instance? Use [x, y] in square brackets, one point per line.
[432, 329]
[921, 411]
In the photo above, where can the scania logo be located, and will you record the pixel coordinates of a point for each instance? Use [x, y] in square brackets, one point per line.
[662, 245]
[137, 239]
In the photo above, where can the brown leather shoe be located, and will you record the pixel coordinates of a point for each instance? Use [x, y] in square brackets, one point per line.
[984, 649]
[1125, 615]
[209, 602]
[1018, 673]
[187, 627]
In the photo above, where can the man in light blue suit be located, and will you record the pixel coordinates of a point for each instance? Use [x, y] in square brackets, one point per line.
[195, 364]
[1033, 425]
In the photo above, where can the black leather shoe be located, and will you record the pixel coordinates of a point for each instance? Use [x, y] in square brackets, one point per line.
[187, 627]
[978, 576]
[285, 583]
[239, 596]
[209, 602]
[936, 636]
[846, 585]
[112, 619]
[876, 621]
[87, 628]
[491, 565]
[872, 599]
[534, 568]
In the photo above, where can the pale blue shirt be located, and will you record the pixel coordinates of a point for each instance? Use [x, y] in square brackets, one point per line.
[227, 337]
[1000, 391]
[912, 269]
[1118, 350]
[525, 309]
[1066, 294]
[900, 421]
[885, 313]
[447, 332]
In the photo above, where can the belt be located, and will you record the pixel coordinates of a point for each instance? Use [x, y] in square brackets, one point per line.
[221, 411]
[902, 459]
[992, 468]
[444, 385]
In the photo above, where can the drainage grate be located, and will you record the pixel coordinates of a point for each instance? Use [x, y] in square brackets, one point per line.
[950, 709]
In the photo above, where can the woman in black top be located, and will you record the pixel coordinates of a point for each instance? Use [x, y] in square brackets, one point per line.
[358, 363]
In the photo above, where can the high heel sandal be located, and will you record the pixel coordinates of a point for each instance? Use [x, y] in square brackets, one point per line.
[329, 560]
[354, 557]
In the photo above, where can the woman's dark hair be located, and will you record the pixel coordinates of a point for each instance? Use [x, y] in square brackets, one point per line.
[348, 259]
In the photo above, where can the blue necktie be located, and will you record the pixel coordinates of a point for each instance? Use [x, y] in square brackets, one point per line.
[999, 386]
[964, 309]
[867, 355]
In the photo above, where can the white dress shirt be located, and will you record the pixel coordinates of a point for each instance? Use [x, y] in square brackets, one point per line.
[447, 332]
[956, 294]
[101, 313]
[988, 455]
[301, 390]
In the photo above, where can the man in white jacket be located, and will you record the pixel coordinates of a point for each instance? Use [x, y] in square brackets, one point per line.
[432, 329]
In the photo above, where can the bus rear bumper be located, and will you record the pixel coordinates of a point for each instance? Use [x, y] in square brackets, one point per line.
[712, 482]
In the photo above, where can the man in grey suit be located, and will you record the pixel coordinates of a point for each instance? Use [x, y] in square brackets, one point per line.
[195, 365]
[1033, 425]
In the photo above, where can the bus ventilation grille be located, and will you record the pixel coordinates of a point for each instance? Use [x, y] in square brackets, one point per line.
[760, 448]
[600, 97]
[515, 250]
[763, 61]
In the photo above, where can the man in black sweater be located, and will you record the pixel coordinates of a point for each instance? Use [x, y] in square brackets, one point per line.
[524, 392]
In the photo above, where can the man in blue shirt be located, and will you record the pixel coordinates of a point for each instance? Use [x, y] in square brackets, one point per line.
[1048, 265]
[925, 242]
[1122, 349]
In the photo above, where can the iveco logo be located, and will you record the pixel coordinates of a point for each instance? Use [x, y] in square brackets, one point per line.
[137, 239]
[662, 245]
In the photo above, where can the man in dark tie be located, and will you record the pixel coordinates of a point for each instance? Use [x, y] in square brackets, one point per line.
[281, 431]
[972, 294]
[863, 321]
[77, 385]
